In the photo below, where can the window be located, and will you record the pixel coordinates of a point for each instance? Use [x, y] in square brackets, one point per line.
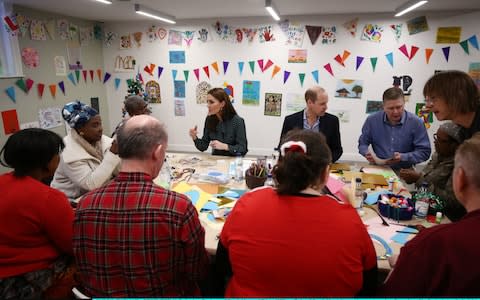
[10, 59]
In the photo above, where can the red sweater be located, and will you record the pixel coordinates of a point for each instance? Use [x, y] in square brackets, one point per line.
[36, 225]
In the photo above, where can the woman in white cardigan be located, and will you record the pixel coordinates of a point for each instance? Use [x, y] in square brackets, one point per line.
[90, 158]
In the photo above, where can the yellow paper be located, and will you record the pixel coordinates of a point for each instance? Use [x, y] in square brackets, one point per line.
[203, 198]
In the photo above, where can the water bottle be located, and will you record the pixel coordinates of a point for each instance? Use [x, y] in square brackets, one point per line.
[422, 202]
[358, 201]
[238, 167]
[269, 182]
[165, 176]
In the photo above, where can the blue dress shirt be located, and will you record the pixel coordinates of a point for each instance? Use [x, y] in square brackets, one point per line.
[409, 137]
[307, 126]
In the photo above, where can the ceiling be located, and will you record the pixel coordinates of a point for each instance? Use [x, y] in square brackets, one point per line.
[122, 10]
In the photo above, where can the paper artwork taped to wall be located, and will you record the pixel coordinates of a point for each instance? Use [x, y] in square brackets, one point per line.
[188, 37]
[23, 25]
[152, 34]
[373, 106]
[175, 37]
[328, 35]
[294, 102]
[110, 37]
[224, 31]
[273, 104]
[50, 117]
[251, 92]
[34, 124]
[238, 35]
[62, 29]
[176, 57]
[249, 34]
[137, 37]
[294, 33]
[11, 25]
[124, 63]
[372, 32]
[50, 28]
[10, 121]
[162, 33]
[297, 56]
[30, 57]
[179, 89]
[60, 66]
[342, 115]
[179, 108]
[73, 32]
[266, 34]
[97, 32]
[125, 42]
[423, 113]
[351, 27]
[86, 35]
[37, 31]
[448, 35]
[201, 92]
[228, 88]
[474, 72]
[417, 25]
[74, 55]
[397, 30]
[349, 88]
[203, 35]
[152, 89]
[404, 82]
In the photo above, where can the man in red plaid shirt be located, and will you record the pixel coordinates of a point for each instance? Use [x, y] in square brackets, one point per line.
[133, 238]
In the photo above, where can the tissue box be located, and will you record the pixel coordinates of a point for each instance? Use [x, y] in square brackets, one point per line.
[395, 207]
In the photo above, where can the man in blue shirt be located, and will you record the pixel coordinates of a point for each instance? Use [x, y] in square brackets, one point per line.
[396, 135]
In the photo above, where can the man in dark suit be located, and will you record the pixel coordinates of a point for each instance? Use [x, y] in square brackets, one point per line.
[315, 117]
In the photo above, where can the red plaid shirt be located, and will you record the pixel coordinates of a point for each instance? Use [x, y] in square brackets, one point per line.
[133, 238]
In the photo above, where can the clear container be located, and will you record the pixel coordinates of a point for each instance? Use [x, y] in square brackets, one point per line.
[238, 167]
[422, 201]
[269, 182]
[358, 195]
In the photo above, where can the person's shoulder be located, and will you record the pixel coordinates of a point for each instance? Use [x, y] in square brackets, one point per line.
[329, 117]
[413, 117]
[434, 236]
[294, 115]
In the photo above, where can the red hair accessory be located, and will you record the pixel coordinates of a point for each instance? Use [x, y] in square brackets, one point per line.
[294, 146]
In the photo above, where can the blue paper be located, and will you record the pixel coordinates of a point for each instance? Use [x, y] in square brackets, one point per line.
[372, 198]
[177, 57]
[193, 195]
[210, 206]
[402, 238]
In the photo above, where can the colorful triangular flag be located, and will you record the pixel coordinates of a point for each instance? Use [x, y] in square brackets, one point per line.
[77, 75]
[389, 57]
[345, 55]
[84, 72]
[260, 64]
[225, 67]
[117, 83]
[413, 51]
[207, 71]
[186, 73]
[197, 73]
[99, 74]
[160, 70]
[464, 45]
[276, 69]
[286, 74]
[428, 53]
[71, 78]
[267, 65]
[328, 67]
[313, 33]
[315, 75]
[174, 74]
[40, 88]
[106, 77]
[338, 58]
[359, 62]
[91, 75]
[11, 93]
[21, 84]
[148, 70]
[53, 90]
[62, 87]
[473, 40]
[446, 52]
[240, 66]
[301, 76]
[215, 67]
[252, 66]
[29, 82]
[373, 61]
[403, 49]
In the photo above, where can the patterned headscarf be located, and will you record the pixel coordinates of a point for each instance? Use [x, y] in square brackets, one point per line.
[77, 114]
[452, 130]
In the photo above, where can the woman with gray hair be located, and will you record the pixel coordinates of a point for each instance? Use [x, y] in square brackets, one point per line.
[438, 172]
[90, 158]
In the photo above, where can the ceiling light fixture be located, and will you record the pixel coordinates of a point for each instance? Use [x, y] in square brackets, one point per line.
[409, 6]
[104, 1]
[271, 9]
[145, 11]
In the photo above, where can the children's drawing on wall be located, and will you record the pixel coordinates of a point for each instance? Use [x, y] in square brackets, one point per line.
[152, 34]
[297, 56]
[417, 25]
[404, 82]
[224, 31]
[175, 37]
[228, 88]
[179, 108]
[328, 35]
[137, 37]
[474, 72]
[125, 42]
[62, 29]
[295, 102]
[203, 35]
[448, 35]
[397, 30]
[266, 34]
[273, 104]
[249, 34]
[201, 92]
[349, 88]
[124, 63]
[343, 115]
[372, 32]
[179, 88]
[60, 66]
[50, 117]
[177, 57]
[73, 32]
[251, 92]
[37, 31]
[86, 35]
[293, 32]
[351, 27]
[424, 114]
[373, 106]
[162, 33]
[152, 88]
[30, 57]
[74, 55]
[188, 37]
[50, 28]
[109, 38]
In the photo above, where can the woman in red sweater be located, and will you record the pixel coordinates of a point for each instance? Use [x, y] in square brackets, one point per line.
[296, 241]
[36, 220]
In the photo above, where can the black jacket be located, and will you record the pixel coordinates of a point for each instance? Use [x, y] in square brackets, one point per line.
[329, 126]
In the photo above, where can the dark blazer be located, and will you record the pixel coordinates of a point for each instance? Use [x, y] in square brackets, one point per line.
[329, 126]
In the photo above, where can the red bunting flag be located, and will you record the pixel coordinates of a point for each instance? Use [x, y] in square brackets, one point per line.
[260, 64]
[29, 84]
[413, 51]
[207, 71]
[403, 49]
[91, 75]
[197, 73]
[84, 72]
[328, 67]
[268, 65]
[339, 59]
[40, 88]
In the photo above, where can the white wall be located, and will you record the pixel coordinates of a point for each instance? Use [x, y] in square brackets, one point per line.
[263, 131]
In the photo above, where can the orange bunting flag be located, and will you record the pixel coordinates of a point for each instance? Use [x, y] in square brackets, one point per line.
[53, 89]
[215, 67]
[99, 73]
[345, 55]
[428, 53]
[276, 69]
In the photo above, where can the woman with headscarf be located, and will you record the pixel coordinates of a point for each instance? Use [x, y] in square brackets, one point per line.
[90, 158]
[36, 221]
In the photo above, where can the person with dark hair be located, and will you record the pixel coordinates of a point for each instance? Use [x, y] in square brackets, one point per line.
[438, 172]
[133, 105]
[453, 95]
[90, 158]
[442, 261]
[133, 238]
[35, 220]
[314, 117]
[395, 135]
[296, 241]
[224, 129]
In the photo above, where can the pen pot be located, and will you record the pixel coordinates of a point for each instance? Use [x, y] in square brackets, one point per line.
[254, 181]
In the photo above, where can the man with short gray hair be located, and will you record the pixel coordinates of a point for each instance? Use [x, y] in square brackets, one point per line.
[133, 238]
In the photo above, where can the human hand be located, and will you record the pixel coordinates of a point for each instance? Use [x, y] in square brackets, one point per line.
[193, 132]
[217, 145]
[396, 158]
[114, 147]
[369, 157]
[409, 175]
